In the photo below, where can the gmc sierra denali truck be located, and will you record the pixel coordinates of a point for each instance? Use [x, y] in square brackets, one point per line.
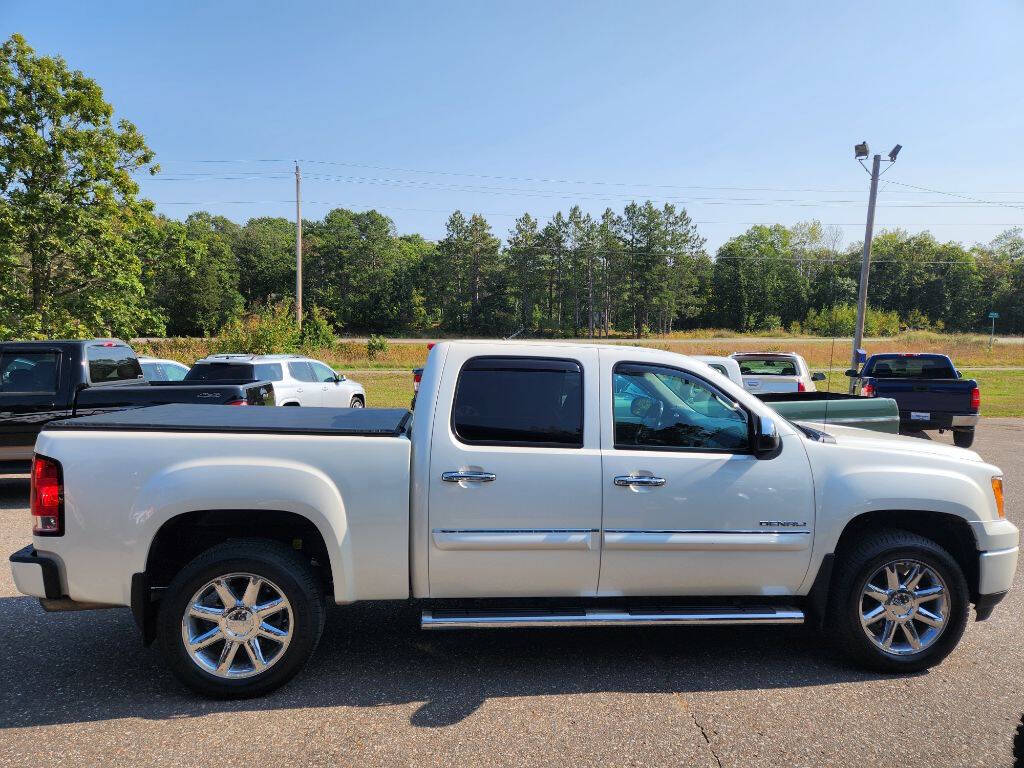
[537, 484]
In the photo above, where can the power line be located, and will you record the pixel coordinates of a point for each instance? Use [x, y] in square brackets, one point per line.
[1008, 204]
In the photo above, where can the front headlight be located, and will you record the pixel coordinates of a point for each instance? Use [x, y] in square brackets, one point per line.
[997, 491]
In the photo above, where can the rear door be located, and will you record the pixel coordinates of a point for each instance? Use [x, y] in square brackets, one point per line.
[28, 398]
[515, 475]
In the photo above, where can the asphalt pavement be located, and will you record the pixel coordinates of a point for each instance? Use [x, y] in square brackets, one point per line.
[80, 689]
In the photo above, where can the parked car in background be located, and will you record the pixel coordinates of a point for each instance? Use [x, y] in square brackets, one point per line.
[45, 380]
[776, 372]
[929, 390]
[878, 414]
[298, 380]
[726, 366]
[539, 485]
[159, 369]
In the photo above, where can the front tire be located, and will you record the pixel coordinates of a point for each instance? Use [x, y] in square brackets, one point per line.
[898, 602]
[241, 619]
[963, 438]
[357, 402]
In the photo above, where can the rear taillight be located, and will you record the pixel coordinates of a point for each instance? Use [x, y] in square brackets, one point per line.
[867, 390]
[236, 402]
[800, 387]
[417, 377]
[46, 497]
[975, 399]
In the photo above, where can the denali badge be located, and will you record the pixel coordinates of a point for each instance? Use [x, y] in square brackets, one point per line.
[781, 523]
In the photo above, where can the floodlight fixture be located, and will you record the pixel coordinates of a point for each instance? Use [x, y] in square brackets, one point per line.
[895, 151]
[860, 151]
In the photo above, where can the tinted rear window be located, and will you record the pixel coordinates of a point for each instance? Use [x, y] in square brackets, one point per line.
[520, 401]
[221, 372]
[767, 366]
[28, 372]
[115, 363]
[919, 367]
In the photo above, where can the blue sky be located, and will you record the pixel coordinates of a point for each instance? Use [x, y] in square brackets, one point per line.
[742, 112]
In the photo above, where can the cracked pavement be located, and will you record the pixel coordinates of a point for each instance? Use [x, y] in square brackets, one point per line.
[79, 689]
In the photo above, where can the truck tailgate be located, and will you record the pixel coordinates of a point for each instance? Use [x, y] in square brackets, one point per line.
[933, 395]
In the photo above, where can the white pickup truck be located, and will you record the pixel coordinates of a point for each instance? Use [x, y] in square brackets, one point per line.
[537, 485]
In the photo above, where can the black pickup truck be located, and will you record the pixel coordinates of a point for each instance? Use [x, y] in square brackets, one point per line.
[930, 392]
[45, 380]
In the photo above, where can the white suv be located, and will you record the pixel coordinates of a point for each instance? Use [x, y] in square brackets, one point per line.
[297, 380]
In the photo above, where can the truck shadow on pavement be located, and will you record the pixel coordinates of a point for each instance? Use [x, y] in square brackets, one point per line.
[91, 666]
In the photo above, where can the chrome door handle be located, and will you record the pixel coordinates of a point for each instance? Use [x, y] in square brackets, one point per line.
[467, 476]
[641, 480]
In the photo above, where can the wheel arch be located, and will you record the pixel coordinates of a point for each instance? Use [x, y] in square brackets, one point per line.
[951, 532]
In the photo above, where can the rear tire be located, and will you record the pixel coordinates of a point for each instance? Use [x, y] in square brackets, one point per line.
[255, 645]
[963, 438]
[894, 621]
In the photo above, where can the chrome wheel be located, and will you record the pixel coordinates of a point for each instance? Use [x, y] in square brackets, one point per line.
[904, 607]
[237, 625]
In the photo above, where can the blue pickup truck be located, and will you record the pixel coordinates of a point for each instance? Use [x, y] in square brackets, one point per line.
[930, 392]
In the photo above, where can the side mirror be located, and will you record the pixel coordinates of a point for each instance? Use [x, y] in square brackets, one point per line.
[852, 373]
[339, 377]
[766, 438]
[817, 376]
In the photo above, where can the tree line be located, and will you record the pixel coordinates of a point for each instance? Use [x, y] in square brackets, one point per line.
[81, 253]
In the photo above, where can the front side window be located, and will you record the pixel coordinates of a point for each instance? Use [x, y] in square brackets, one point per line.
[28, 372]
[301, 371]
[112, 362]
[660, 408]
[519, 401]
[322, 372]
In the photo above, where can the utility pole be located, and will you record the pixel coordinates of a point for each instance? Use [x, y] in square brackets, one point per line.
[298, 245]
[861, 151]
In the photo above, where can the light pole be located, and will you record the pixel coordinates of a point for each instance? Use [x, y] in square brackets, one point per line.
[860, 152]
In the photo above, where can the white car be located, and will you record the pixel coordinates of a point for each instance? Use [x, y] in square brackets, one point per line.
[596, 485]
[724, 365]
[776, 372]
[298, 380]
[161, 369]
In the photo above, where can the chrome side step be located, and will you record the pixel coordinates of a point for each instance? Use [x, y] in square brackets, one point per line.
[596, 617]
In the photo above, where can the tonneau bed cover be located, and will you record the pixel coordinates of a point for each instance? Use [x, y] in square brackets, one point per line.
[363, 422]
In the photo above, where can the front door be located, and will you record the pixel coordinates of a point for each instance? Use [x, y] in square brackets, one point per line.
[515, 477]
[333, 394]
[688, 509]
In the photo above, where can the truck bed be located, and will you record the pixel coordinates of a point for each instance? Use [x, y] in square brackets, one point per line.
[353, 422]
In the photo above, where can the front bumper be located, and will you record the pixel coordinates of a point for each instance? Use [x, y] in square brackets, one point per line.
[995, 570]
[36, 574]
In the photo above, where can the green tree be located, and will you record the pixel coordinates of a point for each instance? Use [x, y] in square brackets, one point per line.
[265, 251]
[70, 218]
